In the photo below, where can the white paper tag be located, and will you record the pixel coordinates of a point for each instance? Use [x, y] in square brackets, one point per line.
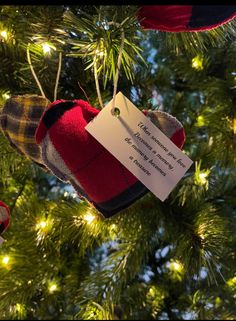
[1, 240]
[140, 146]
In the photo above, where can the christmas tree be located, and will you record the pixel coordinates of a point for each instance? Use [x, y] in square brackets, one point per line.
[153, 260]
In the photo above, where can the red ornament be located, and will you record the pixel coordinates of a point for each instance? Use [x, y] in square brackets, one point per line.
[75, 156]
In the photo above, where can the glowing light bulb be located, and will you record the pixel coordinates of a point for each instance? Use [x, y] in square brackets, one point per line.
[6, 96]
[52, 287]
[43, 224]
[197, 63]
[176, 266]
[5, 260]
[19, 307]
[43, 227]
[46, 48]
[200, 177]
[203, 178]
[232, 282]
[200, 121]
[4, 34]
[89, 217]
[151, 291]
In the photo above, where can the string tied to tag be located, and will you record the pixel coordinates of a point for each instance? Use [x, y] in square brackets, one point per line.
[115, 110]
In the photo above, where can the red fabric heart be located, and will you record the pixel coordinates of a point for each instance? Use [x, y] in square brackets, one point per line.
[4, 217]
[73, 155]
[174, 18]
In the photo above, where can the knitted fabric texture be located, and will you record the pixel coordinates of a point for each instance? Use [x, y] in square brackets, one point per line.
[73, 155]
[175, 18]
[19, 120]
[4, 217]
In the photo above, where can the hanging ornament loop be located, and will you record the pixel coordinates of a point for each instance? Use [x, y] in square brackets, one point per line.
[33, 72]
[36, 78]
[114, 111]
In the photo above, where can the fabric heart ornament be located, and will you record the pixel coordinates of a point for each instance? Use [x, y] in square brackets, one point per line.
[184, 18]
[4, 217]
[19, 120]
[74, 156]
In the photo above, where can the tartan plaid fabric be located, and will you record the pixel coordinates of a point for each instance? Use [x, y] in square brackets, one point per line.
[19, 120]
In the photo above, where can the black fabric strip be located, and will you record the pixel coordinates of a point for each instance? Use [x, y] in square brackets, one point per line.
[123, 200]
[2, 227]
[56, 112]
[203, 16]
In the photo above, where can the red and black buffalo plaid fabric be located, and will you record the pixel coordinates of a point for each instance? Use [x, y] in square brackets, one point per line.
[19, 119]
[4, 217]
[174, 18]
[75, 156]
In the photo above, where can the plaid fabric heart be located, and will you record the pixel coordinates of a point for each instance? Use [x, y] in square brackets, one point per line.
[184, 18]
[73, 155]
[4, 217]
[19, 119]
